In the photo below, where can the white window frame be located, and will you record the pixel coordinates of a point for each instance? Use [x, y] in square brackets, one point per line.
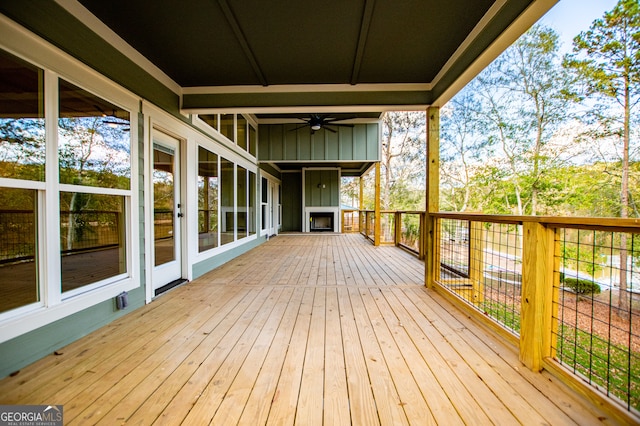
[233, 144]
[54, 304]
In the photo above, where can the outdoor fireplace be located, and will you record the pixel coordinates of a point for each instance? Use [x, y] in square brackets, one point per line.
[321, 221]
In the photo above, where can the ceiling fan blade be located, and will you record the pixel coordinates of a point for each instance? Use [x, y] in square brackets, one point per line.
[329, 129]
[298, 128]
[340, 125]
[333, 120]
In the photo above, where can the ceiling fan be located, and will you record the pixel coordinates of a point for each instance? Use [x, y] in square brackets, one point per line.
[320, 121]
[112, 120]
[116, 123]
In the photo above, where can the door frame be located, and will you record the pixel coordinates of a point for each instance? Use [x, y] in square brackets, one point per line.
[164, 126]
[162, 139]
[274, 212]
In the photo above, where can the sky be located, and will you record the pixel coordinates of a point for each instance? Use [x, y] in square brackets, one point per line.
[570, 17]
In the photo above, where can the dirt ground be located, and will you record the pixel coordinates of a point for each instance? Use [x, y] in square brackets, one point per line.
[599, 315]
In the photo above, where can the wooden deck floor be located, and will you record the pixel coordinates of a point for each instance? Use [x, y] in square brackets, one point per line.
[305, 329]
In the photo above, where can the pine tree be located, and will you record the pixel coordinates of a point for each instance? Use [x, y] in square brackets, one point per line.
[607, 58]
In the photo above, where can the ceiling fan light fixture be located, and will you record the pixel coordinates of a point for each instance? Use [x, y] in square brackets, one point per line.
[315, 127]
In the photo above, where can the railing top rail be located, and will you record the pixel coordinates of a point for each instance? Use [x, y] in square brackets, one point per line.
[610, 223]
[391, 211]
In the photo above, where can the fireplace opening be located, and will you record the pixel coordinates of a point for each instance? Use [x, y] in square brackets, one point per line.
[321, 221]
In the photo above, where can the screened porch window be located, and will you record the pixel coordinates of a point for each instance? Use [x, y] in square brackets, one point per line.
[207, 199]
[227, 201]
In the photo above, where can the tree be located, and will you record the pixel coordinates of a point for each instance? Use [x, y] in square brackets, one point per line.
[463, 150]
[526, 94]
[402, 166]
[607, 58]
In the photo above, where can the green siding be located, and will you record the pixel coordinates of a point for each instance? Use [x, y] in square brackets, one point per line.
[329, 196]
[360, 148]
[292, 202]
[332, 144]
[27, 348]
[304, 146]
[282, 142]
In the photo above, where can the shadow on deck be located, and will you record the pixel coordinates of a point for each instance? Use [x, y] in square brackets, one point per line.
[308, 329]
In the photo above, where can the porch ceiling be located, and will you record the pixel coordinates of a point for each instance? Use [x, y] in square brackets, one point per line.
[361, 56]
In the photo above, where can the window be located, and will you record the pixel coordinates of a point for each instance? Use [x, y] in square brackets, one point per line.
[227, 125]
[93, 140]
[91, 195]
[227, 201]
[252, 203]
[207, 200]
[92, 238]
[18, 268]
[241, 197]
[264, 200]
[68, 182]
[164, 219]
[241, 132]
[253, 141]
[22, 159]
[93, 151]
[22, 133]
[210, 119]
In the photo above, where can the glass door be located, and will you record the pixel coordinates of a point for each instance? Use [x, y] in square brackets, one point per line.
[167, 263]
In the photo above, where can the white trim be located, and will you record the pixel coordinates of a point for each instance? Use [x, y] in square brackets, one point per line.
[213, 252]
[52, 279]
[102, 30]
[22, 184]
[307, 88]
[526, 19]
[296, 120]
[331, 109]
[65, 187]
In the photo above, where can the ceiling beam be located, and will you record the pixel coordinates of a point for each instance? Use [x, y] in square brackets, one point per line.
[367, 15]
[200, 103]
[233, 23]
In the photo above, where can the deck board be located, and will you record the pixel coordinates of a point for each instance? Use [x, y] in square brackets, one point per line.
[304, 329]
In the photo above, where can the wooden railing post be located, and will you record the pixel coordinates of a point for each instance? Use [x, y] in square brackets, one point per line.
[432, 266]
[397, 227]
[537, 294]
[421, 236]
[476, 260]
[376, 216]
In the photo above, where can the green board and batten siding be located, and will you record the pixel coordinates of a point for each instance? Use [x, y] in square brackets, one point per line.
[292, 201]
[282, 143]
[322, 188]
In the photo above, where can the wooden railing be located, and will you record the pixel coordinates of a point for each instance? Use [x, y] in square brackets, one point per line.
[549, 285]
[566, 291]
[399, 228]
